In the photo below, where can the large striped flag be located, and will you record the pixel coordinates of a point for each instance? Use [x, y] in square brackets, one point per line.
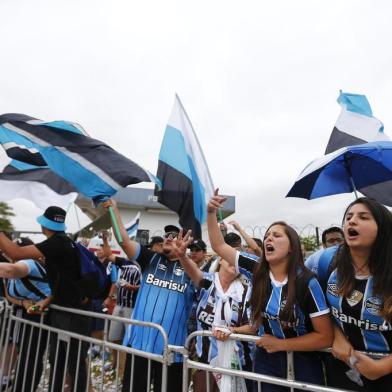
[91, 166]
[44, 188]
[357, 125]
[183, 171]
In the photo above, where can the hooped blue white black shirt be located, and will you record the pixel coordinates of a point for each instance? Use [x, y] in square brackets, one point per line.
[219, 308]
[358, 315]
[314, 305]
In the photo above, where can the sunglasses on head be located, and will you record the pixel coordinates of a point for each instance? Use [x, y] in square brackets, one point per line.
[171, 234]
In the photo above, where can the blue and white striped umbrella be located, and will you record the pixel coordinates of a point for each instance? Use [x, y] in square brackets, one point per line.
[345, 170]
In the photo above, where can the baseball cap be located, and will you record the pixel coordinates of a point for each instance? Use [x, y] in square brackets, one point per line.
[155, 240]
[197, 244]
[171, 229]
[53, 219]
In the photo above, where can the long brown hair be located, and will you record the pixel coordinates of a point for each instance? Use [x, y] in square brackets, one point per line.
[379, 262]
[262, 282]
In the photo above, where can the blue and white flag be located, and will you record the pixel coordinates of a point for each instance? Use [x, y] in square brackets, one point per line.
[91, 166]
[132, 226]
[183, 172]
[40, 185]
[355, 124]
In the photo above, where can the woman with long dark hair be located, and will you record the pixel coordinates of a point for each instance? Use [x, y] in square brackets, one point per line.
[288, 307]
[358, 278]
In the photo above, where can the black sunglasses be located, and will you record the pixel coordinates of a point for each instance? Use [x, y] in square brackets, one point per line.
[171, 234]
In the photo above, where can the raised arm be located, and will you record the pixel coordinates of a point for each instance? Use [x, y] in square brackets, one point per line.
[16, 252]
[130, 247]
[13, 271]
[217, 242]
[180, 245]
[248, 239]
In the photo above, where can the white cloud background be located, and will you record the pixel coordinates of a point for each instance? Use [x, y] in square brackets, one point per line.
[259, 80]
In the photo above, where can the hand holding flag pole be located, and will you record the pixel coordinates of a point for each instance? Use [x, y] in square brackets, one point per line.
[108, 203]
[216, 202]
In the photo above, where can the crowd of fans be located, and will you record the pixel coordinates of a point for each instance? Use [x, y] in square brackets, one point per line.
[340, 297]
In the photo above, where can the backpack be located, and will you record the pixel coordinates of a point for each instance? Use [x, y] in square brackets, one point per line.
[94, 281]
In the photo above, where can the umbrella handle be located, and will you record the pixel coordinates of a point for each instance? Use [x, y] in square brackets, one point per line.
[115, 225]
[346, 164]
[354, 189]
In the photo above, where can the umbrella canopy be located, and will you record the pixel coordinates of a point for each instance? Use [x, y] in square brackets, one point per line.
[345, 170]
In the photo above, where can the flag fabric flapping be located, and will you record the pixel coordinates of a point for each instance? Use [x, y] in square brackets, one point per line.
[132, 226]
[91, 166]
[186, 184]
[355, 124]
[43, 187]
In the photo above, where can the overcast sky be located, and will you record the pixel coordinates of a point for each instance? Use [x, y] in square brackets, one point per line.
[259, 80]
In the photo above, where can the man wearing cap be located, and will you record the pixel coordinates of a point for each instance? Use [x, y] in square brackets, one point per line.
[156, 244]
[165, 297]
[198, 252]
[62, 264]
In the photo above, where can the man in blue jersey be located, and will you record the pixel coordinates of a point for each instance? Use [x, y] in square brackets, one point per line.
[165, 298]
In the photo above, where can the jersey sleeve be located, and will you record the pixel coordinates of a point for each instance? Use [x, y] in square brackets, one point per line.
[245, 262]
[114, 273]
[315, 303]
[313, 260]
[320, 263]
[143, 256]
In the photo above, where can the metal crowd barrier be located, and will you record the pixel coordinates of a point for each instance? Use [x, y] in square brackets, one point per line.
[25, 351]
[22, 354]
[258, 379]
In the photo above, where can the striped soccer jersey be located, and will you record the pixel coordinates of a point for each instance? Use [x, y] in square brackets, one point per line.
[131, 274]
[313, 305]
[357, 315]
[33, 287]
[234, 314]
[165, 297]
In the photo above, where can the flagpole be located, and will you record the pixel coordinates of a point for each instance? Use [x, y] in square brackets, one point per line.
[115, 225]
[220, 215]
[77, 216]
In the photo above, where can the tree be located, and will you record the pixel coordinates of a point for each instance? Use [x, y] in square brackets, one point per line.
[5, 213]
[310, 243]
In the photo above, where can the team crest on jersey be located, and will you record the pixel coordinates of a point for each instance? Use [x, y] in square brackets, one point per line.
[354, 298]
[283, 303]
[162, 267]
[234, 307]
[178, 271]
[333, 289]
[373, 305]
